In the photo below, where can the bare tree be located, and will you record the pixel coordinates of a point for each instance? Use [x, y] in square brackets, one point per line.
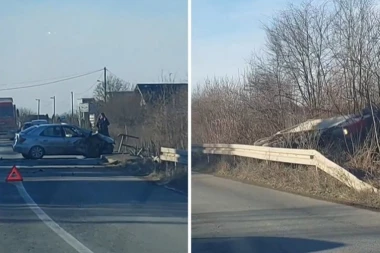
[297, 45]
[24, 113]
[114, 84]
[321, 59]
[355, 43]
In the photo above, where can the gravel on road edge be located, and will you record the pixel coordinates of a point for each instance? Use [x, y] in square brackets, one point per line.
[143, 168]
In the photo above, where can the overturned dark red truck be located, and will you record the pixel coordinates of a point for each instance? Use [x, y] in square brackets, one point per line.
[347, 130]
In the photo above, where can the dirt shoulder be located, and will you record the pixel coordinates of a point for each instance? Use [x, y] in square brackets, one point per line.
[301, 180]
[179, 183]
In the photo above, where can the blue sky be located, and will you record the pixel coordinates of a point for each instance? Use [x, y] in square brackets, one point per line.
[225, 33]
[136, 40]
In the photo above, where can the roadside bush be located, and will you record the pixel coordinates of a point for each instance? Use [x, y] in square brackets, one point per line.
[306, 71]
[161, 122]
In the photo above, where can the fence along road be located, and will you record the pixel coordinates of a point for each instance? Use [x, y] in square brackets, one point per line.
[285, 155]
[174, 155]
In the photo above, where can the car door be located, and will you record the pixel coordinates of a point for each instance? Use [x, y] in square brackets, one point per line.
[72, 136]
[52, 140]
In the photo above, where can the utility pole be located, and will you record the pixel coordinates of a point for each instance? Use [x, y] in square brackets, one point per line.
[72, 106]
[38, 107]
[53, 97]
[105, 85]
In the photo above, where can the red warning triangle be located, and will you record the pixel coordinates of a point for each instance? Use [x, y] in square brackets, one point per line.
[14, 175]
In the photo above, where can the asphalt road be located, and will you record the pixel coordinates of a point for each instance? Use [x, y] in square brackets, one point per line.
[229, 216]
[6, 151]
[89, 210]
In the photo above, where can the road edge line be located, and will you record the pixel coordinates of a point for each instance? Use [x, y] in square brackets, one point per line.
[49, 222]
[174, 190]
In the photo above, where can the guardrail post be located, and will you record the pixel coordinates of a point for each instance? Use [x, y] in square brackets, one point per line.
[305, 157]
[173, 155]
[167, 169]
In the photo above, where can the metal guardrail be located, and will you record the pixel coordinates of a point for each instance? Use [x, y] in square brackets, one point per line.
[174, 155]
[285, 155]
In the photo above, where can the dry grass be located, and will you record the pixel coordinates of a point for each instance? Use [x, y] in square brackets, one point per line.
[302, 180]
[308, 76]
[162, 123]
[224, 113]
[163, 174]
[177, 180]
[159, 124]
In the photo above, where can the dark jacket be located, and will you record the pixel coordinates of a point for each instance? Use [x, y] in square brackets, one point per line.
[102, 126]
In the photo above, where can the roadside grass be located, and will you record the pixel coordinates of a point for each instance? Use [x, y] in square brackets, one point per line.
[302, 180]
[167, 174]
[162, 174]
[151, 121]
[160, 122]
[244, 118]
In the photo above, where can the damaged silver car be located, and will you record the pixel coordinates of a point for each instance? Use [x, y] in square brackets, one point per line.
[59, 139]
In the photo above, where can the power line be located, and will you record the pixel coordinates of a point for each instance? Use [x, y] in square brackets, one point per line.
[91, 85]
[47, 83]
[41, 80]
[111, 72]
[117, 76]
[64, 100]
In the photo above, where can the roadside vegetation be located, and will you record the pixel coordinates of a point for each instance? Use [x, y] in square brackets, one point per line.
[161, 122]
[322, 59]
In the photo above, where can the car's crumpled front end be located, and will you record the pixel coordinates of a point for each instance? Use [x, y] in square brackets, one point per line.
[93, 145]
[105, 138]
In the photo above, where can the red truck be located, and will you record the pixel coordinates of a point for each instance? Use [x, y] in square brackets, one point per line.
[8, 118]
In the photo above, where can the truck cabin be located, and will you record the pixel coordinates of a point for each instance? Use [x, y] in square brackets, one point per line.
[7, 110]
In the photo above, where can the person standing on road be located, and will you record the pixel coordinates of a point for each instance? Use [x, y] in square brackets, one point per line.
[103, 124]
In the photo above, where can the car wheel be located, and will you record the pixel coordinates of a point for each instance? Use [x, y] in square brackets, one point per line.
[36, 152]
